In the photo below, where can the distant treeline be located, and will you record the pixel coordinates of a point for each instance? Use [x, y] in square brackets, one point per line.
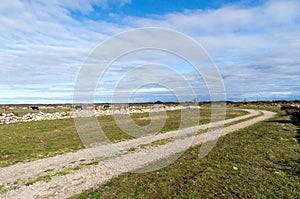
[170, 103]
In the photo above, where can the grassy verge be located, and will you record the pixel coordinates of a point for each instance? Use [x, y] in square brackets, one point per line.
[261, 161]
[243, 120]
[27, 141]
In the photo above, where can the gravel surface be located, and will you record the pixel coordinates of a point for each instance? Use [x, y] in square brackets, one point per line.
[88, 177]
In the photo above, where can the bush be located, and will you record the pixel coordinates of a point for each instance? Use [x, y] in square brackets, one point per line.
[292, 110]
[285, 107]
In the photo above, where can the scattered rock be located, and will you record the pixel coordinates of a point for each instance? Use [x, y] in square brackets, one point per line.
[8, 118]
[29, 117]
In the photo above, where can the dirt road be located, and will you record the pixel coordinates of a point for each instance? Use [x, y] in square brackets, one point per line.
[114, 159]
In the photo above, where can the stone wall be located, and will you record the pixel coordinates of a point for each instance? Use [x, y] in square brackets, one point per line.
[8, 118]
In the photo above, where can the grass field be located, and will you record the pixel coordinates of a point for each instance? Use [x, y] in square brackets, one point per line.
[261, 161]
[27, 141]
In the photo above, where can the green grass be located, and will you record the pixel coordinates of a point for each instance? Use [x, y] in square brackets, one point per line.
[67, 170]
[267, 107]
[45, 178]
[261, 161]
[2, 189]
[28, 141]
[152, 144]
[243, 120]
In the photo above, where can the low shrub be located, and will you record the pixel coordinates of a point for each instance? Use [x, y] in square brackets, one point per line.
[292, 110]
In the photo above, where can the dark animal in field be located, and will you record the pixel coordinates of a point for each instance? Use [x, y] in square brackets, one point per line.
[35, 108]
[78, 107]
[106, 106]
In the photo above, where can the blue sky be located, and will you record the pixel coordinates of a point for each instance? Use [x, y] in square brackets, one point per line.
[43, 44]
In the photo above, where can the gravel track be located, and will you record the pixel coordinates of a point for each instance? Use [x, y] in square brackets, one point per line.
[85, 178]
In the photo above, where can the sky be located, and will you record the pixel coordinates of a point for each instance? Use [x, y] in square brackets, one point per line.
[254, 45]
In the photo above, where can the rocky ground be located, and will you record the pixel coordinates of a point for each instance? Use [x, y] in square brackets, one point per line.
[8, 118]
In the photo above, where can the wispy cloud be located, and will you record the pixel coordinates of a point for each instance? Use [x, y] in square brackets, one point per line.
[41, 44]
[44, 43]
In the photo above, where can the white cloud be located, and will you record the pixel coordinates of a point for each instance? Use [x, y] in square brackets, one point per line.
[256, 48]
[227, 19]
